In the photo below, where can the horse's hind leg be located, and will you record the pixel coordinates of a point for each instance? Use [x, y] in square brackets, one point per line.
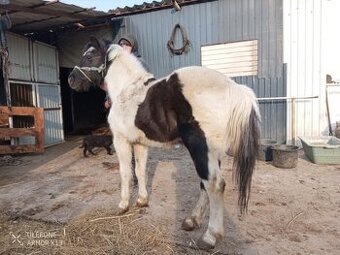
[197, 215]
[215, 188]
[141, 154]
[207, 167]
[124, 154]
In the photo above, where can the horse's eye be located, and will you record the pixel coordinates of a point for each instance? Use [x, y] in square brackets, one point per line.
[88, 56]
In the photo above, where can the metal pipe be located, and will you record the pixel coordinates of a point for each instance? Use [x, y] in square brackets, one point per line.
[293, 118]
[284, 98]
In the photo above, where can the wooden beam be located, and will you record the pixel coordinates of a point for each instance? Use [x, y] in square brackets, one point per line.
[17, 132]
[18, 111]
[37, 10]
[39, 123]
[13, 149]
[32, 6]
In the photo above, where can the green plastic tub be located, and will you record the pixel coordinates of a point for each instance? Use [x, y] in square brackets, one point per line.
[322, 149]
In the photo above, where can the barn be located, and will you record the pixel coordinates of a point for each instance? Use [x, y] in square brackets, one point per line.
[259, 44]
[281, 49]
[56, 201]
[33, 76]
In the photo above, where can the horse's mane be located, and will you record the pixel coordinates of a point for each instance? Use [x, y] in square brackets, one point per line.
[128, 60]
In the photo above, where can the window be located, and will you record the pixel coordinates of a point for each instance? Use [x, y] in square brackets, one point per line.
[232, 59]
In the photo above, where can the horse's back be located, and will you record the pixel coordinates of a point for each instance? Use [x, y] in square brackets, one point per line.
[202, 84]
[199, 76]
[213, 97]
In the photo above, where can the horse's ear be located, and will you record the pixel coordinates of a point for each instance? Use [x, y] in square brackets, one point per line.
[94, 42]
[106, 43]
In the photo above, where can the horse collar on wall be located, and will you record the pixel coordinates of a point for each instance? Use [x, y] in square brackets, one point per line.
[185, 41]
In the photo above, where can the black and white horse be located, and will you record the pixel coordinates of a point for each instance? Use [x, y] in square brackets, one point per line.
[209, 112]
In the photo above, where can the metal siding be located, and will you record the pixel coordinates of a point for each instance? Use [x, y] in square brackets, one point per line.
[303, 33]
[19, 57]
[216, 22]
[36, 62]
[45, 63]
[49, 99]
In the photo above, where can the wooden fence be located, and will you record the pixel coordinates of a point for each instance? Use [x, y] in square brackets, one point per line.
[36, 131]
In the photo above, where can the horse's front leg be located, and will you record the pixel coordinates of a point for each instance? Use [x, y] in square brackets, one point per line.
[124, 154]
[141, 155]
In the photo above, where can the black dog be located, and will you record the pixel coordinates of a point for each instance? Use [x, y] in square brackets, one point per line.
[91, 141]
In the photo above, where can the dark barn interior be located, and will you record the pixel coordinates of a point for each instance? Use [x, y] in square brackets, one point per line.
[81, 111]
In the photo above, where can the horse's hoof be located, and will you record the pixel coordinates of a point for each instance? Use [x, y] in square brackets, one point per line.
[204, 245]
[123, 207]
[121, 211]
[189, 224]
[142, 202]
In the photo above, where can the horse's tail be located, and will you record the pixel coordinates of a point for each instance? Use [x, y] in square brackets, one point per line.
[244, 134]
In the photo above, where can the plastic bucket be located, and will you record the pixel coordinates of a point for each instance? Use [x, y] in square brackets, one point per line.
[285, 156]
[266, 150]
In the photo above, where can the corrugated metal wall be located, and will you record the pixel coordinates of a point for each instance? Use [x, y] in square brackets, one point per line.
[49, 98]
[309, 27]
[46, 66]
[34, 79]
[20, 57]
[215, 22]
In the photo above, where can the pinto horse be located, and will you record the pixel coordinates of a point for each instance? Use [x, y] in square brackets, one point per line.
[207, 111]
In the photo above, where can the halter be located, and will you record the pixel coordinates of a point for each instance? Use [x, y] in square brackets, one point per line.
[99, 69]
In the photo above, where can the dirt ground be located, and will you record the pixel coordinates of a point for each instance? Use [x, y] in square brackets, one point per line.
[43, 197]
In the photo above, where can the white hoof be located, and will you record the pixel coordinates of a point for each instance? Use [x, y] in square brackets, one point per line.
[142, 202]
[123, 207]
[206, 242]
[189, 224]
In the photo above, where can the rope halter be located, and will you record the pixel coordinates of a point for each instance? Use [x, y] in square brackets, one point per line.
[99, 69]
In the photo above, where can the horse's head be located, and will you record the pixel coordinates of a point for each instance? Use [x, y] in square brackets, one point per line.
[91, 69]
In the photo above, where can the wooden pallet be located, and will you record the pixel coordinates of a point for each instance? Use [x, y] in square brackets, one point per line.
[37, 130]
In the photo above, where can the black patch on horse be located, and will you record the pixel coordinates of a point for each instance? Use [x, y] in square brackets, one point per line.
[166, 115]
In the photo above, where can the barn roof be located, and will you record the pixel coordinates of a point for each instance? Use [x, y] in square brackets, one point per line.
[31, 16]
[36, 15]
[153, 6]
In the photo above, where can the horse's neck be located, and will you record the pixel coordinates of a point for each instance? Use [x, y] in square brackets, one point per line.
[120, 76]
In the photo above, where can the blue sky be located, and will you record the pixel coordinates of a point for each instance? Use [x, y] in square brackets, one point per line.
[104, 5]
